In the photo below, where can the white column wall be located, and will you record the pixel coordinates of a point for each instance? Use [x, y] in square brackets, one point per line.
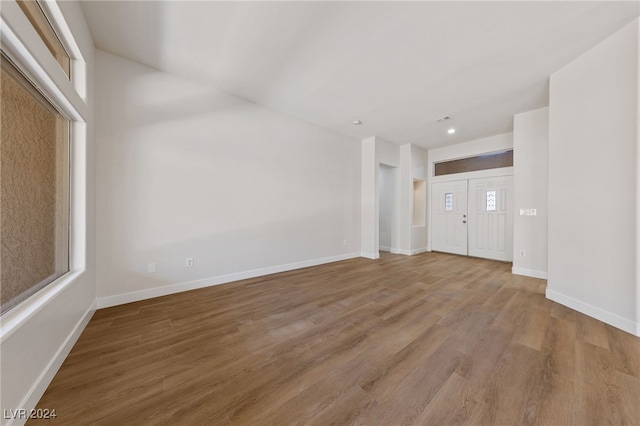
[530, 180]
[593, 179]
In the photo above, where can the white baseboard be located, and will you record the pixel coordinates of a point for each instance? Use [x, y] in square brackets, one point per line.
[370, 255]
[529, 273]
[134, 296]
[412, 252]
[42, 383]
[391, 250]
[595, 312]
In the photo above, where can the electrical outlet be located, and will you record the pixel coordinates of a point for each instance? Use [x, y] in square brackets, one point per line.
[151, 267]
[189, 262]
[522, 253]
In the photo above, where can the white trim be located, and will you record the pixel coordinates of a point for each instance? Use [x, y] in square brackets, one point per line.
[610, 318]
[19, 315]
[392, 250]
[477, 174]
[529, 273]
[403, 252]
[62, 30]
[419, 250]
[42, 383]
[33, 58]
[370, 255]
[134, 296]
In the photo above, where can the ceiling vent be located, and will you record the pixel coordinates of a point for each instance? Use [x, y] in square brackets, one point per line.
[443, 119]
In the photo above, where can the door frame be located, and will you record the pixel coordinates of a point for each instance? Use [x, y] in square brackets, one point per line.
[480, 174]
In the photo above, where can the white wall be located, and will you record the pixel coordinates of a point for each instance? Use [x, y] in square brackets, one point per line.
[530, 169]
[369, 228]
[374, 152]
[408, 162]
[39, 333]
[463, 150]
[593, 145]
[419, 162]
[388, 206]
[406, 199]
[186, 171]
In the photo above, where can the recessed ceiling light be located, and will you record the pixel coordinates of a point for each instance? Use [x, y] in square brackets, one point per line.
[357, 122]
[451, 131]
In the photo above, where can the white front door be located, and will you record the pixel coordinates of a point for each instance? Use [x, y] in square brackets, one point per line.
[449, 217]
[491, 218]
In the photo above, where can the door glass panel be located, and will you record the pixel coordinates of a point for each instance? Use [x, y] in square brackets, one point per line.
[491, 201]
[448, 202]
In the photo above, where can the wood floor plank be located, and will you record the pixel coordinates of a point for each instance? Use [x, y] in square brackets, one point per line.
[604, 395]
[505, 397]
[551, 396]
[431, 339]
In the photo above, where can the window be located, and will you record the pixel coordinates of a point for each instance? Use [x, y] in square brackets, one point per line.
[34, 189]
[448, 202]
[491, 160]
[41, 24]
[491, 201]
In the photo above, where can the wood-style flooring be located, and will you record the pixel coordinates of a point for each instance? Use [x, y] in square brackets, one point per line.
[431, 339]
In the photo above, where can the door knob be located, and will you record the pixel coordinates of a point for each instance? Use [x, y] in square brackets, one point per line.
[464, 221]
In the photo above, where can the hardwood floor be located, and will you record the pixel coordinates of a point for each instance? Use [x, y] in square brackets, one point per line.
[430, 339]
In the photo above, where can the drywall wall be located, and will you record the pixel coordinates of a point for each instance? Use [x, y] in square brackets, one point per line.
[185, 171]
[374, 153]
[408, 162]
[530, 170]
[388, 206]
[466, 149]
[369, 229]
[419, 162]
[593, 145]
[38, 334]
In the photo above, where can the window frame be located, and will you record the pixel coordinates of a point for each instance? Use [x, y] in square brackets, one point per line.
[21, 43]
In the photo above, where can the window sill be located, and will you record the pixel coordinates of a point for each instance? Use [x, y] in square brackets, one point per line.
[20, 314]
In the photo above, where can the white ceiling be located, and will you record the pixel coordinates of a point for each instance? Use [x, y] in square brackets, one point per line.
[397, 66]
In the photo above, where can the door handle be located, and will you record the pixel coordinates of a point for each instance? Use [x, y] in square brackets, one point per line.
[464, 221]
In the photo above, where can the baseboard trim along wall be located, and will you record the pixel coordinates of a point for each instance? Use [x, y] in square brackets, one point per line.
[391, 250]
[529, 273]
[419, 250]
[594, 312]
[42, 383]
[121, 299]
[412, 252]
[370, 255]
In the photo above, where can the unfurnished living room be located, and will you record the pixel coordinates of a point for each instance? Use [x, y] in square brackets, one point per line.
[320, 212]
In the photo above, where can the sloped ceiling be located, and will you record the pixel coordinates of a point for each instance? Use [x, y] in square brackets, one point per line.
[396, 66]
